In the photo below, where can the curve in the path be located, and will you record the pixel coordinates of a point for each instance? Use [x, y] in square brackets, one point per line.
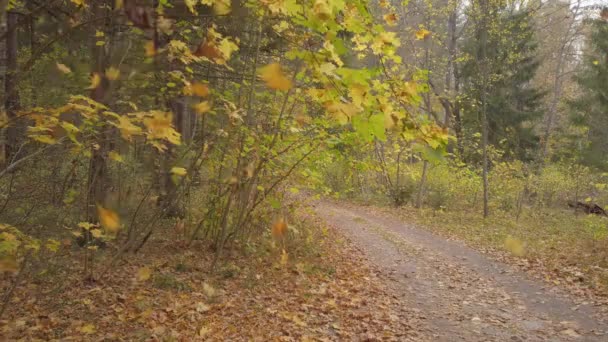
[463, 295]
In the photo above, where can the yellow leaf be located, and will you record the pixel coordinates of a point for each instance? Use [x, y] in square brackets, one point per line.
[112, 73]
[118, 4]
[144, 274]
[422, 33]
[95, 81]
[391, 19]
[149, 48]
[515, 246]
[196, 89]
[203, 331]
[108, 219]
[178, 171]
[96, 233]
[284, 258]
[321, 9]
[127, 128]
[208, 290]
[274, 77]
[115, 156]
[87, 328]
[202, 107]
[78, 2]
[596, 62]
[221, 7]
[63, 68]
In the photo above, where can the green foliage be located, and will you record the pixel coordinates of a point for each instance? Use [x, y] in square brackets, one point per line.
[589, 110]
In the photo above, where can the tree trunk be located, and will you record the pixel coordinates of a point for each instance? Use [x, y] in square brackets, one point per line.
[484, 88]
[11, 100]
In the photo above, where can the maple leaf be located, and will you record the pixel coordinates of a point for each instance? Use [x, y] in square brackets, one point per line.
[63, 68]
[391, 19]
[273, 75]
[422, 33]
[279, 228]
[127, 128]
[178, 171]
[95, 81]
[515, 246]
[196, 89]
[87, 328]
[108, 219]
[149, 49]
[322, 10]
[159, 126]
[202, 107]
[112, 73]
[144, 273]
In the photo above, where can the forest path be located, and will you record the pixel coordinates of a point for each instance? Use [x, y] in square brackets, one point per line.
[461, 294]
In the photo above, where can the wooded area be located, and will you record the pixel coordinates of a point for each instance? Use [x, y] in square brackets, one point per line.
[134, 127]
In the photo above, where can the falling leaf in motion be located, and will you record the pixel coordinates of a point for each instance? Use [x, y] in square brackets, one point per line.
[279, 228]
[149, 49]
[95, 81]
[422, 33]
[108, 219]
[391, 19]
[273, 75]
[144, 274]
[514, 246]
[178, 171]
[112, 73]
[63, 68]
[196, 89]
[202, 107]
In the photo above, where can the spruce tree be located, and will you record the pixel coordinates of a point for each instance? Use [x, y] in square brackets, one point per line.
[590, 109]
[513, 103]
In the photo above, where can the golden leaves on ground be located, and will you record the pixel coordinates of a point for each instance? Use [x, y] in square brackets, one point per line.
[109, 219]
[274, 77]
[514, 246]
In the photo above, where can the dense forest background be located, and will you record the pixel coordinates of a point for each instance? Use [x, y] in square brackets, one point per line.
[126, 121]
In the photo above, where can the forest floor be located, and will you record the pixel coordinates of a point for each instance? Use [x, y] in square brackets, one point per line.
[461, 294]
[350, 273]
[323, 289]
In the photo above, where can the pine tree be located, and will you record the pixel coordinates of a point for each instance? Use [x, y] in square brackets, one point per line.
[513, 104]
[590, 110]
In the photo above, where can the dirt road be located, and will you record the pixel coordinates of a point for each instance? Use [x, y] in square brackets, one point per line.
[461, 294]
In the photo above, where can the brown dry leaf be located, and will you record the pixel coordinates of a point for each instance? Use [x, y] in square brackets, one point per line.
[279, 228]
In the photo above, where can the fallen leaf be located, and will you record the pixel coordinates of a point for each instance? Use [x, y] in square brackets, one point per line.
[144, 274]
